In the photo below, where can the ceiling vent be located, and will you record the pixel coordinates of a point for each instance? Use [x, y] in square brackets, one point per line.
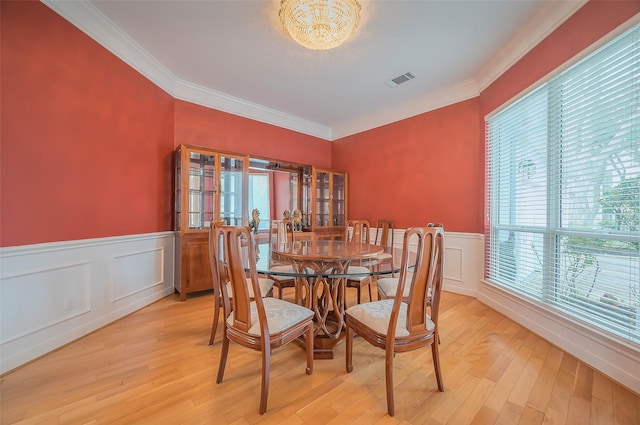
[400, 79]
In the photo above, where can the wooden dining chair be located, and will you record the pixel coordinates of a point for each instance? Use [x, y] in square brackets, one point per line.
[388, 286]
[281, 232]
[219, 277]
[399, 325]
[358, 231]
[261, 324]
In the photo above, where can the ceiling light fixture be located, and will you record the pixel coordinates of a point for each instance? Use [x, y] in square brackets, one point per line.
[320, 24]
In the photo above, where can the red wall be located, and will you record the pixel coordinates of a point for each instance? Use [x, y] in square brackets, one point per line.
[84, 138]
[282, 195]
[425, 168]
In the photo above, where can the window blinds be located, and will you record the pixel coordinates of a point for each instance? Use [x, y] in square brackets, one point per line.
[563, 180]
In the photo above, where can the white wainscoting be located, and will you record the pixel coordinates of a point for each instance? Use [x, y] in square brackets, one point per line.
[463, 260]
[54, 293]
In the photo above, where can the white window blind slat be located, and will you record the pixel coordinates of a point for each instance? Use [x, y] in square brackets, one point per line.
[563, 187]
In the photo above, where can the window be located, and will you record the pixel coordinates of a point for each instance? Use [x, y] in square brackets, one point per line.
[563, 187]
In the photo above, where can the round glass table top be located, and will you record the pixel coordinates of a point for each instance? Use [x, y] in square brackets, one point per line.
[377, 260]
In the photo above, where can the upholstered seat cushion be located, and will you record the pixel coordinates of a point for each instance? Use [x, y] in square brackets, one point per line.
[280, 315]
[389, 285]
[286, 268]
[265, 287]
[383, 256]
[362, 272]
[376, 316]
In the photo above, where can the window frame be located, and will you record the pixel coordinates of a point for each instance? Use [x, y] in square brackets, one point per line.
[552, 232]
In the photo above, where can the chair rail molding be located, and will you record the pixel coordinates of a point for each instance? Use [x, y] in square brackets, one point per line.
[54, 293]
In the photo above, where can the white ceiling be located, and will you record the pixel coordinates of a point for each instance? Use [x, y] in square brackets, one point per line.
[234, 56]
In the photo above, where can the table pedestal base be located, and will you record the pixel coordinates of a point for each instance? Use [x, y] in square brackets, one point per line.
[325, 295]
[324, 348]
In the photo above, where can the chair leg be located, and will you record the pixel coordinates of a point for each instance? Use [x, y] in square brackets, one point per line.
[216, 314]
[389, 355]
[436, 364]
[358, 290]
[223, 356]
[309, 349]
[349, 344]
[264, 390]
[370, 297]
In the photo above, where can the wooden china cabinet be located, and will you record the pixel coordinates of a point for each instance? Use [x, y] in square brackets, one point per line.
[209, 185]
[214, 186]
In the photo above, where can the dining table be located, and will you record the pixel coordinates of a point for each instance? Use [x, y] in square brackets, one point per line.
[320, 269]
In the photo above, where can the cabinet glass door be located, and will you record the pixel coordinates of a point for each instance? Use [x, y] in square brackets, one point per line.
[178, 189]
[232, 205]
[201, 190]
[322, 198]
[337, 199]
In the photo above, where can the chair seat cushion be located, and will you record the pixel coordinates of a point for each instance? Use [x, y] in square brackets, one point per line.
[384, 256]
[280, 315]
[265, 287]
[376, 315]
[389, 285]
[364, 273]
[358, 269]
[287, 268]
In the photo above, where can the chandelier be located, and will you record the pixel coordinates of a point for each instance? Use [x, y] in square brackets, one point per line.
[320, 24]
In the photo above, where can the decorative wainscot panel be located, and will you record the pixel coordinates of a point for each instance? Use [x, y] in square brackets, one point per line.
[51, 294]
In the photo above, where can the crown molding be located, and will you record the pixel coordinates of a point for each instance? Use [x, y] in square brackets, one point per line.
[96, 25]
[212, 99]
[547, 19]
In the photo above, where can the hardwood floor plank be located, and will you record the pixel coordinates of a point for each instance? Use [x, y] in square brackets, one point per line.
[485, 416]
[155, 367]
[601, 412]
[510, 414]
[473, 403]
[531, 416]
[626, 406]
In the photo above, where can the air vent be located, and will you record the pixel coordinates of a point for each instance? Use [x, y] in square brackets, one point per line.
[400, 79]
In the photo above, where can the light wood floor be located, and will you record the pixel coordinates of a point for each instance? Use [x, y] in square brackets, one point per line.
[155, 367]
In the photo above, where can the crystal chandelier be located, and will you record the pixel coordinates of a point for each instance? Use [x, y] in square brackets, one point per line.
[320, 24]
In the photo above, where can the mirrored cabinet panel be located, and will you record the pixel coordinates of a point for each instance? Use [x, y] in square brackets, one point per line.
[233, 177]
